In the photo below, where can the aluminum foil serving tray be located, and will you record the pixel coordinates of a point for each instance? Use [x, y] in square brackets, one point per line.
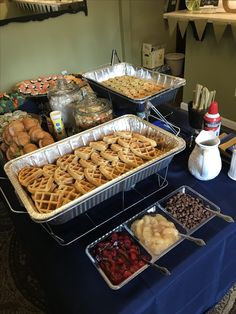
[170, 83]
[124, 182]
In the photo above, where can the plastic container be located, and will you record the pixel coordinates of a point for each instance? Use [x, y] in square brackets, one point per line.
[232, 170]
[175, 61]
[58, 125]
[62, 98]
[92, 111]
[212, 119]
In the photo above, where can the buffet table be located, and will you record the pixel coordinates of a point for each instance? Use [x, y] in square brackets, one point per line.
[200, 276]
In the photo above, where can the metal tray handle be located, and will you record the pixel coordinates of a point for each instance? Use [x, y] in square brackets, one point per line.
[8, 203]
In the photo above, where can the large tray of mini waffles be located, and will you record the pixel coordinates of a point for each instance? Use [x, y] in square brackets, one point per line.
[133, 83]
[65, 179]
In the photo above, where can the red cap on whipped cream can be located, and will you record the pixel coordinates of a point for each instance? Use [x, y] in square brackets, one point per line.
[212, 119]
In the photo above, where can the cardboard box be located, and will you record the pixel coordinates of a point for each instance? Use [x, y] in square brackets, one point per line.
[152, 56]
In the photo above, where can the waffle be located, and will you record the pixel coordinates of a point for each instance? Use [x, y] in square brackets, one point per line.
[46, 202]
[41, 184]
[99, 145]
[94, 176]
[84, 152]
[109, 172]
[143, 138]
[87, 164]
[117, 147]
[64, 161]
[110, 138]
[83, 186]
[49, 170]
[130, 158]
[110, 155]
[144, 150]
[69, 193]
[126, 142]
[69, 197]
[76, 171]
[63, 177]
[65, 189]
[123, 134]
[122, 167]
[27, 175]
[98, 159]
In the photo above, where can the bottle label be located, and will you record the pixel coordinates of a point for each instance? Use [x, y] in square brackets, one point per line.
[215, 127]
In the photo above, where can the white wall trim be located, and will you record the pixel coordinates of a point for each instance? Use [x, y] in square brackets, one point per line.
[226, 122]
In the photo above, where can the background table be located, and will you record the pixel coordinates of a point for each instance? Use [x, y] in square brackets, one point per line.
[200, 275]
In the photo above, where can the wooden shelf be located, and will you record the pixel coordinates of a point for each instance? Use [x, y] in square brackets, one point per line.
[228, 18]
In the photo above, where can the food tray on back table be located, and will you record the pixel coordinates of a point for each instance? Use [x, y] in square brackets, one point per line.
[170, 84]
[124, 182]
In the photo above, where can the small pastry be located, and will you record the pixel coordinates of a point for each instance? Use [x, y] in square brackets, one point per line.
[47, 140]
[15, 127]
[22, 138]
[28, 148]
[29, 122]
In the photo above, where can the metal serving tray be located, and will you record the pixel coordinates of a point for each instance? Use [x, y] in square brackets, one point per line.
[97, 76]
[152, 210]
[156, 208]
[89, 252]
[189, 191]
[124, 182]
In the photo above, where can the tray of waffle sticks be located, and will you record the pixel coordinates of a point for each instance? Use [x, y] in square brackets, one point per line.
[65, 179]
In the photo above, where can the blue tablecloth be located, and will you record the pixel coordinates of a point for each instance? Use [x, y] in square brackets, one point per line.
[200, 275]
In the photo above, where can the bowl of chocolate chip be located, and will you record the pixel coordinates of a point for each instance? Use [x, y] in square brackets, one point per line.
[189, 208]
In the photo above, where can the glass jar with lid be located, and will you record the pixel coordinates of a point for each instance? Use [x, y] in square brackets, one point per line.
[92, 111]
[62, 98]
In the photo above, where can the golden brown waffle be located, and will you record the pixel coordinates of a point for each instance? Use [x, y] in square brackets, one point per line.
[71, 196]
[87, 163]
[126, 142]
[63, 177]
[84, 152]
[49, 170]
[69, 193]
[41, 184]
[28, 174]
[76, 171]
[130, 158]
[65, 188]
[94, 176]
[109, 172]
[110, 138]
[143, 138]
[117, 147]
[123, 134]
[83, 186]
[46, 202]
[99, 145]
[98, 159]
[122, 167]
[110, 155]
[144, 150]
[64, 161]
